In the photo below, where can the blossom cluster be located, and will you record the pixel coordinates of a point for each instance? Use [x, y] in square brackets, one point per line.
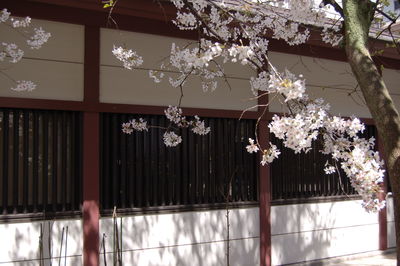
[35, 38]
[38, 39]
[11, 50]
[286, 84]
[270, 154]
[175, 115]
[171, 139]
[138, 125]
[231, 19]
[128, 57]
[24, 85]
[339, 136]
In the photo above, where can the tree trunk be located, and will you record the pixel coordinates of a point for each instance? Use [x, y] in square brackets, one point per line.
[357, 18]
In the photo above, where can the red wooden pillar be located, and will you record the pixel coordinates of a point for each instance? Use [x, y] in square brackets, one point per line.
[265, 186]
[382, 216]
[90, 209]
[265, 200]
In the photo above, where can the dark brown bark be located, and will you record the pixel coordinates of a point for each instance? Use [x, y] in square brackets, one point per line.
[357, 17]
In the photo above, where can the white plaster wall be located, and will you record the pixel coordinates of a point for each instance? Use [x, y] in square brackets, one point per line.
[19, 244]
[333, 81]
[118, 85]
[188, 238]
[390, 223]
[303, 232]
[56, 68]
[392, 80]
[135, 87]
[153, 48]
[54, 80]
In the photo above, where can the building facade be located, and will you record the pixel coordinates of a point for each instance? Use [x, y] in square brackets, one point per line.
[75, 190]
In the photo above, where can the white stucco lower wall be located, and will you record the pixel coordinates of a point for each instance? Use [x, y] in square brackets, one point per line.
[20, 243]
[189, 238]
[303, 232]
[391, 233]
[300, 232]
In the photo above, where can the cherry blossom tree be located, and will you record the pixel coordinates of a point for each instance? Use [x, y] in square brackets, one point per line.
[11, 53]
[238, 31]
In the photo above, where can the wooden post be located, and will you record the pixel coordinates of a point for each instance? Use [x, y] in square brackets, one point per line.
[90, 209]
[265, 186]
[382, 216]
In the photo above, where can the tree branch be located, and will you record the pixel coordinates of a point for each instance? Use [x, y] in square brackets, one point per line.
[335, 5]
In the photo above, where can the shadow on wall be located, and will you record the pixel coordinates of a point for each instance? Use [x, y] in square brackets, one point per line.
[299, 233]
[304, 232]
[188, 238]
[57, 242]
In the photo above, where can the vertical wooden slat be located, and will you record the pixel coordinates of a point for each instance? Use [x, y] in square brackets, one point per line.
[139, 170]
[80, 160]
[115, 160]
[251, 160]
[227, 159]
[301, 181]
[231, 160]
[123, 163]
[106, 173]
[213, 159]
[15, 172]
[199, 170]
[154, 162]
[55, 159]
[74, 165]
[172, 176]
[241, 194]
[35, 160]
[130, 159]
[64, 160]
[274, 168]
[6, 128]
[162, 167]
[146, 170]
[185, 167]
[25, 169]
[45, 161]
[192, 168]
[206, 166]
[220, 162]
[178, 174]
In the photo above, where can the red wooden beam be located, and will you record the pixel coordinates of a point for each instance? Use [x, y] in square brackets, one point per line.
[91, 142]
